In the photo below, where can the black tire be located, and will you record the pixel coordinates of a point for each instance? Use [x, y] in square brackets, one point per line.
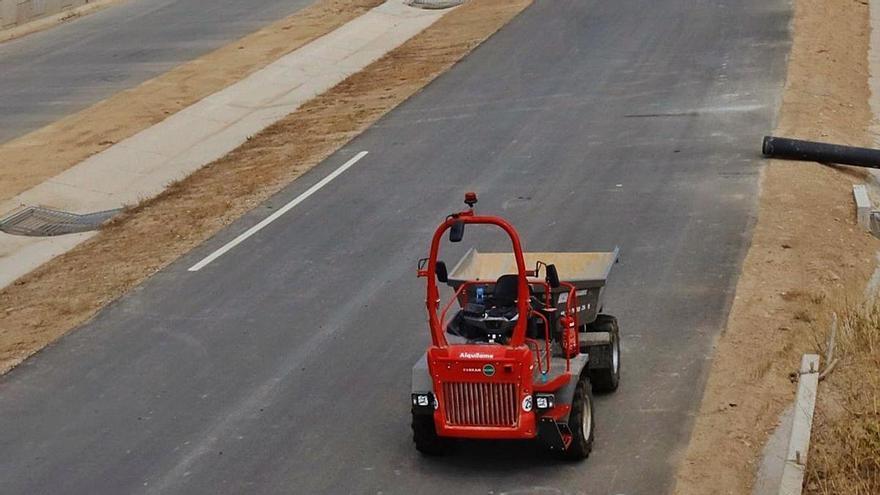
[581, 423]
[425, 435]
[604, 367]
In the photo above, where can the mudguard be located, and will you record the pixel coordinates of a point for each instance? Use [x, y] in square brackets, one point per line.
[421, 377]
[566, 392]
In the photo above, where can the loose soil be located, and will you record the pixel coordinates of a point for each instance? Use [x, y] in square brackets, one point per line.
[70, 289]
[807, 253]
[46, 152]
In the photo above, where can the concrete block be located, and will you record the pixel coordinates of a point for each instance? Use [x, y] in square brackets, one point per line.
[39, 8]
[875, 223]
[802, 424]
[24, 12]
[8, 14]
[863, 206]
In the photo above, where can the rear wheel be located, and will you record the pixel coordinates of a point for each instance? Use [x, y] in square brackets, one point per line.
[425, 435]
[605, 359]
[580, 422]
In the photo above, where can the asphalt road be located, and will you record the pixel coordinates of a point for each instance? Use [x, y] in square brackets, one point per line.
[53, 73]
[284, 365]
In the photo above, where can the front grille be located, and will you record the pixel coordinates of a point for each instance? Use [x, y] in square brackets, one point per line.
[480, 404]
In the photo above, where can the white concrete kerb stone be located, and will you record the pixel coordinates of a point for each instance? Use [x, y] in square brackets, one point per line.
[802, 424]
[863, 206]
[143, 165]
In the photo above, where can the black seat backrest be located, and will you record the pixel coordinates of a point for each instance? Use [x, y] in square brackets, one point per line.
[505, 291]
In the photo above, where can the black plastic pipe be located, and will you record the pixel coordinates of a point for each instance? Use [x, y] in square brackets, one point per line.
[795, 149]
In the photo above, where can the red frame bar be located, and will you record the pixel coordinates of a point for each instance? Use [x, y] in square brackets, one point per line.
[432, 300]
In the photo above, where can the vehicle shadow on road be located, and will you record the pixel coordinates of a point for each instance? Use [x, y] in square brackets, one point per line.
[496, 456]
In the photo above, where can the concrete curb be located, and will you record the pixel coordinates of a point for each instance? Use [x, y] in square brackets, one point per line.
[863, 206]
[867, 216]
[799, 444]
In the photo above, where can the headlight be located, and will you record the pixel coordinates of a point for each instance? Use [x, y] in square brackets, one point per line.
[424, 400]
[544, 401]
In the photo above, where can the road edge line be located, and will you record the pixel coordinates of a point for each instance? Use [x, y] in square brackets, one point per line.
[275, 216]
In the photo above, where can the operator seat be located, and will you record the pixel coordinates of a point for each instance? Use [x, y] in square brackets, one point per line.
[504, 298]
[505, 294]
[497, 317]
[506, 290]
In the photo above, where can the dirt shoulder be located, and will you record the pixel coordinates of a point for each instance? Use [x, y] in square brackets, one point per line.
[807, 253]
[46, 152]
[70, 289]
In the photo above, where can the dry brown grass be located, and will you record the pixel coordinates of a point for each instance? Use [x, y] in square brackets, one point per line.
[845, 452]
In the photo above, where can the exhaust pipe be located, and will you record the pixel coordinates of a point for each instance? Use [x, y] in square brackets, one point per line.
[795, 149]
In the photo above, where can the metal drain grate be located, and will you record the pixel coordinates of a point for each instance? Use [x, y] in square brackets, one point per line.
[434, 4]
[41, 222]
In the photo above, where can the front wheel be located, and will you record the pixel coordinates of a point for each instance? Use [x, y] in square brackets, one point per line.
[580, 422]
[425, 435]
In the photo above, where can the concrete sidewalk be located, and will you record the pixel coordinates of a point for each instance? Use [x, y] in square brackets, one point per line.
[143, 165]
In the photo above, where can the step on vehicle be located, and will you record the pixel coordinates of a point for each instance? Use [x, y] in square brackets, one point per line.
[523, 352]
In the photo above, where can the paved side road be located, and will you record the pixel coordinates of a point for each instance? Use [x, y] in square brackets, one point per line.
[284, 365]
[144, 164]
[53, 73]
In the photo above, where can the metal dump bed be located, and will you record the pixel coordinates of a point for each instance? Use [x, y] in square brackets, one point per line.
[584, 270]
[588, 272]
